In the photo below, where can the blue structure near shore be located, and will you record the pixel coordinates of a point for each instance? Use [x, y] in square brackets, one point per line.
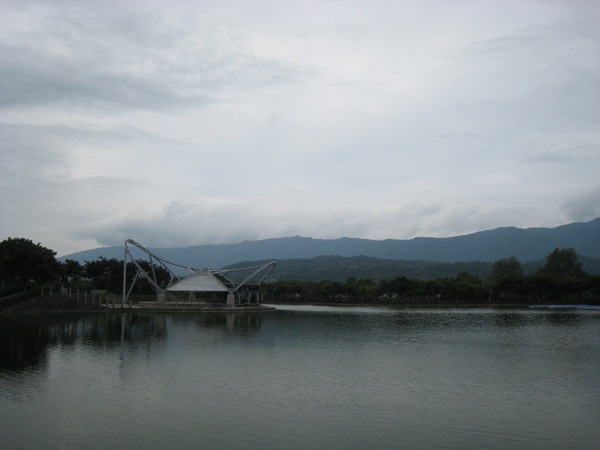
[565, 307]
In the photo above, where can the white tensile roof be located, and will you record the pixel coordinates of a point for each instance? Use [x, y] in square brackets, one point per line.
[203, 281]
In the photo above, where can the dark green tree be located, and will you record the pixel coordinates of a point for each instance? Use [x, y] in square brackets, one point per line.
[22, 262]
[401, 288]
[361, 289]
[506, 274]
[469, 288]
[328, 291]
[105, 274]
[562, 262]
[163, 276]
[70, 272]
[367, 290]
[506, 268]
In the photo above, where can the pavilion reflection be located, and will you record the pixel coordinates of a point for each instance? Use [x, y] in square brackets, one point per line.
[26, 339]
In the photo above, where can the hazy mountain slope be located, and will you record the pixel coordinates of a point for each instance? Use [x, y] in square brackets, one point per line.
[584, 237]
[487, 246]
[339, 268]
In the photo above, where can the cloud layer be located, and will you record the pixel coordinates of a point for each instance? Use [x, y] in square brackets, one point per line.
[181, 123]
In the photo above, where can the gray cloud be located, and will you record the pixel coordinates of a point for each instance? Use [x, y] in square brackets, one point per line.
[198, 122]
[583, 206]
[89, 56]
[565, 155]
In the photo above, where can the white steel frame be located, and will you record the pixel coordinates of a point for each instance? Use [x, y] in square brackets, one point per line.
[256, 274]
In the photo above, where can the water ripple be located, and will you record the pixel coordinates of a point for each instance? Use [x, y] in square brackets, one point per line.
[305, 377]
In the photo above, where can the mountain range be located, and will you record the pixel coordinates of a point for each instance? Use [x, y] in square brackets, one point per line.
[527, 244]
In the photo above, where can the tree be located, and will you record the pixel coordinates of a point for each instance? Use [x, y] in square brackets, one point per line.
[361, 289]
[23, 262]
[105, 273]
[162, 275]
[506, 268]
[70, 272]
[469, 287]
[400, 287]
[562, 262]
[506, 274]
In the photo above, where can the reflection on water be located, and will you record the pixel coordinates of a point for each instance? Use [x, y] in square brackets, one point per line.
[26, 339]
[302, 377]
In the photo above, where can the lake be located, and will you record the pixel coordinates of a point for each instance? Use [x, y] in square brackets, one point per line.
[302, 377]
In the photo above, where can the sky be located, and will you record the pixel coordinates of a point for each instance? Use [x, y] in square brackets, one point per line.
[179, 123]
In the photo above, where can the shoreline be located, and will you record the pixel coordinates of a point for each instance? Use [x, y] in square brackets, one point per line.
[149, 307]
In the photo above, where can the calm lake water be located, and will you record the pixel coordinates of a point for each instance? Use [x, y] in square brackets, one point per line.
[303, 377]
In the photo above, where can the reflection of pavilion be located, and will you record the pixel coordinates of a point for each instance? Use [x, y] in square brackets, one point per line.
[201, 288]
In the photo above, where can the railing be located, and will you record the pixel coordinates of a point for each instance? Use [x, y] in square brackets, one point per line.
[56, 297]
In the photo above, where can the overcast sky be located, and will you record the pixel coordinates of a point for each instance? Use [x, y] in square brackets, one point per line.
[179, 123]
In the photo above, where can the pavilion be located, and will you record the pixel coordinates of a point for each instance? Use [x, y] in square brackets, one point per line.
[228, 288]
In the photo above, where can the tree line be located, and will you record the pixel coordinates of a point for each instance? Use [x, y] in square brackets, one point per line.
[25, 264]
[560, 280]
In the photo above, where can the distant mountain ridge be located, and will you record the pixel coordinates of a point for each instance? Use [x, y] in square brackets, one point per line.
[527, 244]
